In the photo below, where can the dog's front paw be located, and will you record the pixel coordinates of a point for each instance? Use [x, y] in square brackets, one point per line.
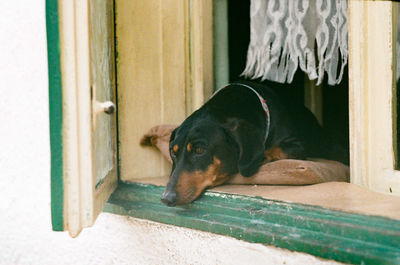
[157, 133]
[149, 140]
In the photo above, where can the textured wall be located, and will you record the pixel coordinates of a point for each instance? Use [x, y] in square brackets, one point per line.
[25, 230]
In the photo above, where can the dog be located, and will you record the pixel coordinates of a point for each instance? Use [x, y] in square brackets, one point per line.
[241, 127]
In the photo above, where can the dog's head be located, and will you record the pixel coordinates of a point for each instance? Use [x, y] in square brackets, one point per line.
[206, 154]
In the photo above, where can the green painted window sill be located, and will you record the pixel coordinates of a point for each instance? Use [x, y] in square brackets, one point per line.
[329, 234]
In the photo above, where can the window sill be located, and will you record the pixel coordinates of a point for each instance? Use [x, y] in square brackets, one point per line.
[326, 233]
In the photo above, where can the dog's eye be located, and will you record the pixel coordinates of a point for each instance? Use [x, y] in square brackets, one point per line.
[172, 153]
[199, 150]
[174, 150]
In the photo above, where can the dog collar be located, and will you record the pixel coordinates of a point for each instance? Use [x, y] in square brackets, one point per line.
[262, 101]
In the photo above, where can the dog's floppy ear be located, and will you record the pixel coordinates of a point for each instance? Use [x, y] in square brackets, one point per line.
[173, 134]
[250, 141]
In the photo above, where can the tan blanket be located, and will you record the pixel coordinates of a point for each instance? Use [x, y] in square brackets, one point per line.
[281, 172]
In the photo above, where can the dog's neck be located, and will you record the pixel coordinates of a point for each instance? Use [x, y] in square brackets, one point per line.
[262, 101]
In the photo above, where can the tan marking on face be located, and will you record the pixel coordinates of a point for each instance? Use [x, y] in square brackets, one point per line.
[273, 154]
[191, 185]
[175, 148]
[189, 147]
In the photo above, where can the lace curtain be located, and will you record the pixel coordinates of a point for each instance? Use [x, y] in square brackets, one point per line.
[287, 34]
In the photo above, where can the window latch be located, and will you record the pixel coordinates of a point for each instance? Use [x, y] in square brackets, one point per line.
[107, 107]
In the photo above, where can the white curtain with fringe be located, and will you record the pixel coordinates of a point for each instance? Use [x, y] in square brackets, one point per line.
[287, 34]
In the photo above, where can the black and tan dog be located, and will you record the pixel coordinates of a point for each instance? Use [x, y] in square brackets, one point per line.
[241, 127]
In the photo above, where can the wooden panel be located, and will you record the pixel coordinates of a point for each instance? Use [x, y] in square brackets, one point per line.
[74, 46]
[357, 94]
[201, 53]
[83, 199]
[104, 134]
[151, 74]
[174, 61]
[102, 75]
[371, 86]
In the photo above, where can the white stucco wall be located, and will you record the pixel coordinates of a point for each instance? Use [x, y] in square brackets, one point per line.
[25, 227]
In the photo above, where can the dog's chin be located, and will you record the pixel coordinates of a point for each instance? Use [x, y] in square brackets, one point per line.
[189, 196]
[183, 202]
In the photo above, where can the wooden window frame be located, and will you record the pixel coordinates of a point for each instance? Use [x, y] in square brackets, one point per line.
[330, 234]
[372, 88]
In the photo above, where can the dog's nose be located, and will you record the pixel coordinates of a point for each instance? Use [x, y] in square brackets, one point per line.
[169, 198]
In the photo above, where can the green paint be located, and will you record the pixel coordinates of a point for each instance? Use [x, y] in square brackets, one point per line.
[329, 234]
[55, 108]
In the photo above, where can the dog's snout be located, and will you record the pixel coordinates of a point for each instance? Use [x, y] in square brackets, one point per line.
[169, 198]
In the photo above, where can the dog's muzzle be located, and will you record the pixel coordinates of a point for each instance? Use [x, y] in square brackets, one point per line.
[169, 198]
